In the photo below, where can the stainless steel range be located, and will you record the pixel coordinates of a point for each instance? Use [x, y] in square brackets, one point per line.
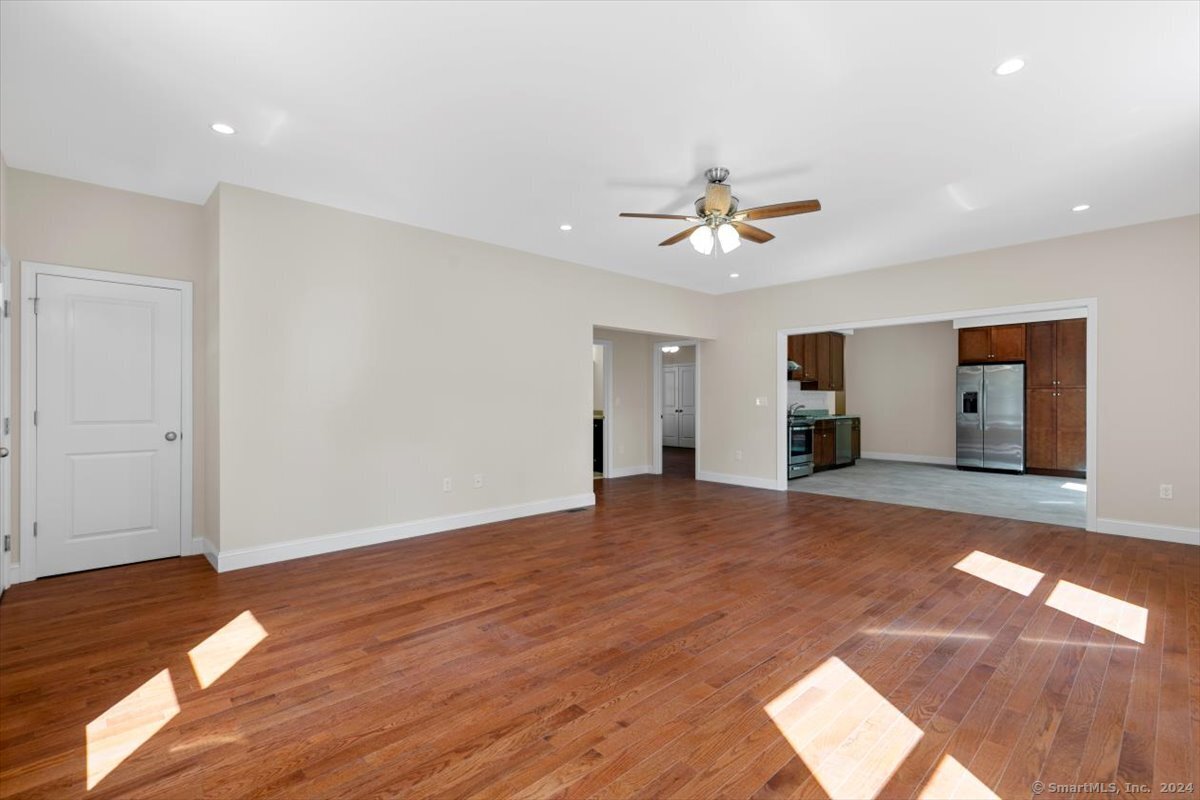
[800, 442]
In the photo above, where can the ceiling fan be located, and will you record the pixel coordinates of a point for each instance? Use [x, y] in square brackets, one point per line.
[719, 220]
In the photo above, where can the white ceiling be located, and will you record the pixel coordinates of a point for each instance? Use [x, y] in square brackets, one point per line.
[499, 121]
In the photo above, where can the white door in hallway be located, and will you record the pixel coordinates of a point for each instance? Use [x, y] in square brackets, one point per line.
[670, 407]
[109, 369]
[686, 385]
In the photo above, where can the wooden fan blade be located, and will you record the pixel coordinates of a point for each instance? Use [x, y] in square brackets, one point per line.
[779, 210]
[717, 199]
[654, 216]
[752, 233]
[679, 237]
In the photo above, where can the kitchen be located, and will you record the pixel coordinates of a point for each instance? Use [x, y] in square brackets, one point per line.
[983, 415]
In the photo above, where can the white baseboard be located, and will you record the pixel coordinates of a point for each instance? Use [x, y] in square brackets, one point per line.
[14, 573]
[739, 480]
[227, 560]
[209, 551]
[1145, 530]
[625, 472]
[911, 458]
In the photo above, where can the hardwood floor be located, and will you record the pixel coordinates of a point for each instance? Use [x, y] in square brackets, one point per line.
[644, 648]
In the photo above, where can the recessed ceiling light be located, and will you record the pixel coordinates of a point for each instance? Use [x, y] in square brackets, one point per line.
[223, 129]
[1010, 66]
[734, 275]
[564, 227]
[1082, 207]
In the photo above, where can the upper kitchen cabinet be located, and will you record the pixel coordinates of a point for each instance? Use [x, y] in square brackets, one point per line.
[991, 344]
[821, 357]
[1056, 354]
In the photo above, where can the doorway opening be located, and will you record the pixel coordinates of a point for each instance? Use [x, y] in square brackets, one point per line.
[676, 393]
[602, 417]
[986, 412]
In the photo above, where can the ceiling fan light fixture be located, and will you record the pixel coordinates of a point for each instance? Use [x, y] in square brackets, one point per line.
[702, 240]
[729, 238]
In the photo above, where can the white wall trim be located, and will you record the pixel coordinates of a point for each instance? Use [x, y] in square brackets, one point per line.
[739, 480]
[606, 346]
[1146, 530]
[227, 560]
[29, 272]
[912, 458]
[626, 472]
[1090, 304]
[209, 551]
[1017, 319]
[14, 573]
[6, 374]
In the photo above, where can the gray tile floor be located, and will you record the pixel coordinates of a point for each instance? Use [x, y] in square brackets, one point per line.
[1036, 498]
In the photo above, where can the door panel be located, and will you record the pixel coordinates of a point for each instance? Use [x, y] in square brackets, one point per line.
[687, 404]
[837, 352]
[1071, 352]
[1072, 430]
[969, 417]
[670, 417]
[1041, 447]
[1008, 342]
[109, 389]
[1004, 416]
[1039, 355]
[974, 345]
[810, 357]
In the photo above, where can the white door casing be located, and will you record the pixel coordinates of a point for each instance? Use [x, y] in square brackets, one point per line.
[686, 383]
[670, 407]
[6, 457]
[110, 451]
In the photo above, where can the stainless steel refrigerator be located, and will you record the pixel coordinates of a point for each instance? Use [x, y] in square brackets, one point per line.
[991, 417]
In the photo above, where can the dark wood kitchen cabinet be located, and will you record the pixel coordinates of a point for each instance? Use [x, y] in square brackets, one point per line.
[824, 444]
[1056, 397]
[991, 344]
[821, 357]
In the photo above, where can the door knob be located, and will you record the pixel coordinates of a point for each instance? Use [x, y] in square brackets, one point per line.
[172, 436]
[3, 452]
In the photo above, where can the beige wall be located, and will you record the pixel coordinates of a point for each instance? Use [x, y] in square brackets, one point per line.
[901, 380]
[1146, 280]
[58, 221]
[597, 377]
[339, 408]
[686, 355]
[630, 420]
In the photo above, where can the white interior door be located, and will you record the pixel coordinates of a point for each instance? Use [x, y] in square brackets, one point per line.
[686, 386]
[670, 407]
[109, 410]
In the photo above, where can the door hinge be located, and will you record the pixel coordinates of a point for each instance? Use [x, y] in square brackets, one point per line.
[6, 422]
[6, 308]
[7, 543]
[35, 530]
[35, 417]
[35, 304]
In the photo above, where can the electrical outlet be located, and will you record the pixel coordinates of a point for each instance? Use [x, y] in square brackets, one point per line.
[1166, 491]
[447, 485]
[737, 455]
[478, 480]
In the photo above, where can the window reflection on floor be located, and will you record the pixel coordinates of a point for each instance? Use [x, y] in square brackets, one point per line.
[213, 657]
[952, 781]
[848, 735]
[1122, 618]
[118, 732]
[1001, 572]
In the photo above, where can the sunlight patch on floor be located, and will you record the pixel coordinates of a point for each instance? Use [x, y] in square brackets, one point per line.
[1074, 487]
[1001, 572]
[114, 735]
[849, 736]
[924, 633]
[952, 781]
[213, 657]
[1122, 618]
